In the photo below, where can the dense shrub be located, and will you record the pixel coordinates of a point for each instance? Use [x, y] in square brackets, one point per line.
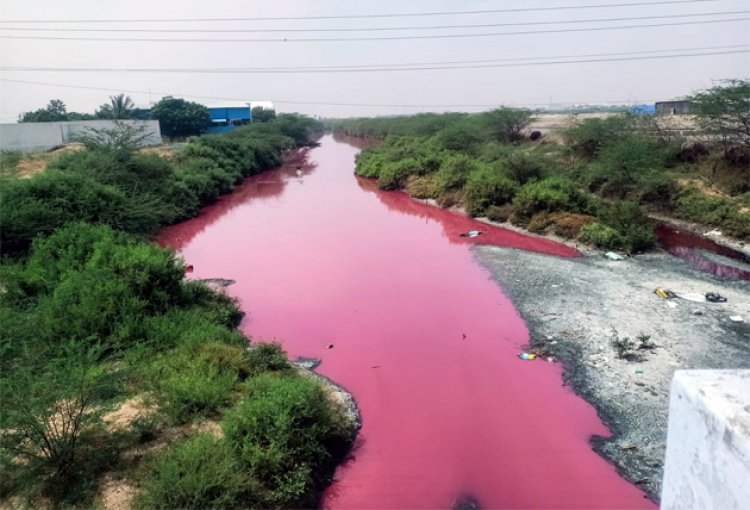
[453, 173]
[505, 124]
[49, 200]
[188, 386]
[602, 236]
[421, 186]
[569, 225]
[393, 175]
[523, 168]
[486, 187]
[589, 136]
[717, 211]
[462, 136]
[50, 412]
[201, 472]
[500, 214]
[621, 225]
[552, 194]
[287, 435]
[267, 357]
[624, 163]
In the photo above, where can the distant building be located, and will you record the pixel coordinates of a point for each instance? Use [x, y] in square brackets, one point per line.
[228, 115]
[678, 107]
[643, 109]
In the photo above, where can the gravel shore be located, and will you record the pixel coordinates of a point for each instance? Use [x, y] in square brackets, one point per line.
[572, 307]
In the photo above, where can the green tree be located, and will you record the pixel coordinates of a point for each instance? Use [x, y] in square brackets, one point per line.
[505, 124]
[723, 112]
[261, 114]
[55, 111]
[180, 118]
[119, 107]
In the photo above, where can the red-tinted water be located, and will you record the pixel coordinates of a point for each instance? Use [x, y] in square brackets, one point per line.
[697, 251]
[421, 336]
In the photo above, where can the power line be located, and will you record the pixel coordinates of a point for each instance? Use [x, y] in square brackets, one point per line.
[296, 102]
[374, 29]
[368, 38]
[433, 67]
[362, 16]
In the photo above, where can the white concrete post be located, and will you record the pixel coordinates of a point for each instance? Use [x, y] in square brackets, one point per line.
[707, 465]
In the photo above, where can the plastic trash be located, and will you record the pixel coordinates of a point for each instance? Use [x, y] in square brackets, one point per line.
[664, 293]
[736, 318]
[714, 297]
[330, 346]
[614, 256]
[472, 233]
[692, 296]
[527, 356]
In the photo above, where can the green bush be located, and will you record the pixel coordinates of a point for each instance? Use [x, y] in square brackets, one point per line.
[631, 221]
[505, 124]
[602, 236]
[523, 168]
[8, 162]
[453, 173]
[187, 386]
[621, 225]
[201, 472]
[626, 162]
[267, 357]
[486, 187]
[49, 200]
[717, 211]
[393, 175]
[463, 136]
[556, 193]
[288, 436]
[590, 136]
[50, 412]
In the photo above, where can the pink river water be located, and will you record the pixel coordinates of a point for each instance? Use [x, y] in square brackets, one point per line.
[422, 337]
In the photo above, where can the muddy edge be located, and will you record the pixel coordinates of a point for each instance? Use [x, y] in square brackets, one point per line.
[571, 306]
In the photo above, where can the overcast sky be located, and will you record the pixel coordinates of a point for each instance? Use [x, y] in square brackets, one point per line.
[632, 81]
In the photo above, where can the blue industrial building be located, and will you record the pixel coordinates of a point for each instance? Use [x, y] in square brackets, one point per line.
[227, 116]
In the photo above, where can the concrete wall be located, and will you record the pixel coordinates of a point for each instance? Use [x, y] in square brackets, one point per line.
[43, 136]
[673, 107]
[707, 464]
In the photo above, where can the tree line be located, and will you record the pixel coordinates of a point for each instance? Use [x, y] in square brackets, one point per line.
[177, 117]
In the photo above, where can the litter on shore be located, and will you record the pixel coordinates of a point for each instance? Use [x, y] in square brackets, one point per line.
[527, 356]
[472, 233]
[614, 256]
[736, 318]
[710, 297]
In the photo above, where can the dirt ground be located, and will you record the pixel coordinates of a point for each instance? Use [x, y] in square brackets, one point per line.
[571, 307]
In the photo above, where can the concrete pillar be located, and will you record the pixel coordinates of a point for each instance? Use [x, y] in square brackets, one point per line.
[707, 464]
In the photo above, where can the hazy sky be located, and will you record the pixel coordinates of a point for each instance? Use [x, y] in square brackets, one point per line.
[619, 81]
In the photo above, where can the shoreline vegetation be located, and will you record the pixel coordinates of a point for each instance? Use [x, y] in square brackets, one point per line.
[120, 375]
[597, 185]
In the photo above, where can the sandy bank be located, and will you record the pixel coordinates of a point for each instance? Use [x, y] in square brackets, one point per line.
[571, 306]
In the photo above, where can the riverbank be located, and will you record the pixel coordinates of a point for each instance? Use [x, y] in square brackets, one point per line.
[571, 307]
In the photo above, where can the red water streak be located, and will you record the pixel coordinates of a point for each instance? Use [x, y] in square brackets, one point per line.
[422, 337]
[690, 247]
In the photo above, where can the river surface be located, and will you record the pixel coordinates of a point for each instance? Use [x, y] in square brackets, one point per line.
[386, 292]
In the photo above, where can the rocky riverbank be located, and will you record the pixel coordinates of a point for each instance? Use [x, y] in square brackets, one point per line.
[574, 307]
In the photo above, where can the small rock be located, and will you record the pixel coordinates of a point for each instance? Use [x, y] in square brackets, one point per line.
[698, 312]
